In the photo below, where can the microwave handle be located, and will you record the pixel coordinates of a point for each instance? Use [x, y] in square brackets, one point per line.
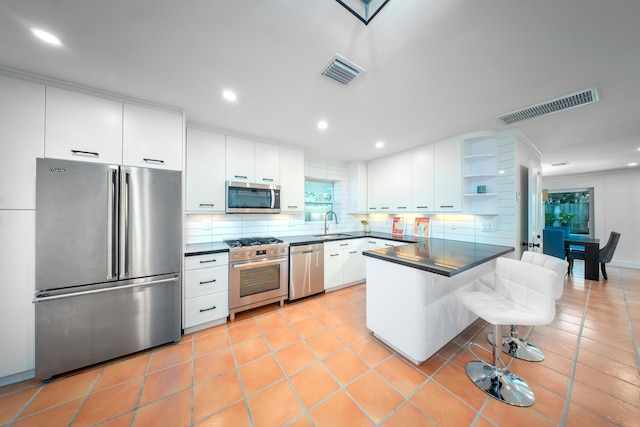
[273, 199]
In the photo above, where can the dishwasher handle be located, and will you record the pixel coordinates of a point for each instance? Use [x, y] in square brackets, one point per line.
[306, 249]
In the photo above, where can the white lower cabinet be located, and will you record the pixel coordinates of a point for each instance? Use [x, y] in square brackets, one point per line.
[343, 263]
[381, 243]
[206, 291]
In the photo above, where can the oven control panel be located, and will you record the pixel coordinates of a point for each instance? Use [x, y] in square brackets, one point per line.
[258, 253]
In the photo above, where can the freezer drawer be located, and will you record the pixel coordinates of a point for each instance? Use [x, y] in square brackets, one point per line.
[79, 329]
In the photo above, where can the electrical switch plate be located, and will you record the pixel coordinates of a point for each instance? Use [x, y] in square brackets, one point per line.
[206, 225]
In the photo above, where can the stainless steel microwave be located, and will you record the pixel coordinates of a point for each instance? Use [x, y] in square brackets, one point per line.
[247, 197]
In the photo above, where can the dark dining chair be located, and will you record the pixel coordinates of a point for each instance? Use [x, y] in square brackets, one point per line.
[604, 256]
[553, 243]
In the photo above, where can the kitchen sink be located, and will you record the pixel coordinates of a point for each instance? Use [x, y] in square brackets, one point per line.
[332, 236]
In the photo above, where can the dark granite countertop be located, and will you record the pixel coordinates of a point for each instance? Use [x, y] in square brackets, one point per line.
[311, 239]
[215, 247]
[205, 248]
[440, 256]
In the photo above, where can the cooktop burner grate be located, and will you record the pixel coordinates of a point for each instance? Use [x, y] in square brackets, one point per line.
[252, 241]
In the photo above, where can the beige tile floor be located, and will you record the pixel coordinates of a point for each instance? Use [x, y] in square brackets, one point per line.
[315, 363]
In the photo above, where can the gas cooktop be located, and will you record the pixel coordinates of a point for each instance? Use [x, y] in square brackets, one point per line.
[252, 241]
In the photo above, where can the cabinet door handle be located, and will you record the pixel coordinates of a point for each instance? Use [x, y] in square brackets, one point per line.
[85, 153]
[386, 244]
[344, 244]
[422, 207]
[154, 161]
[446, 206]
[401, 207]
[353, 252]
[240, 176]
[334, 255]
[207, 260]
[292, 207]
[267, 179]
[384, 207]
[207, 309]
[207, 205]
[372, 209]
[207, 281]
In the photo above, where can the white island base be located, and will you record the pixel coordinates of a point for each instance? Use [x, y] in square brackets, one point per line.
[415, 312]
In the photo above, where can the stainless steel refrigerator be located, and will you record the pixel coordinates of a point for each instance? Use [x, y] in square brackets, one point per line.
[108, 251]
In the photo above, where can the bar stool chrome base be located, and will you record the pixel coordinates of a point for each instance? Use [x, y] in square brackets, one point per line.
[500, 384]
[519, 348]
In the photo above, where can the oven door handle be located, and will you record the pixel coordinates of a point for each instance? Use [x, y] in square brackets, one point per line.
[252, 264]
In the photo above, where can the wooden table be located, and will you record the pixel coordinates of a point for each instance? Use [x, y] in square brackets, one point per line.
[591, 253]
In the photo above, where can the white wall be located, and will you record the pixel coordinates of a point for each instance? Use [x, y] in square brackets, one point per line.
[616, 208]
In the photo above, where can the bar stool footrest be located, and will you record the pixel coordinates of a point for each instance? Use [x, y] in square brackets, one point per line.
[519, 348]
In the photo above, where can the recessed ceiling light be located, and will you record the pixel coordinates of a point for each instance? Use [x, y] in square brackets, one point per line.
[229, 96]
[322, 125]
[379, 144]
[46, 36]
[632, 164]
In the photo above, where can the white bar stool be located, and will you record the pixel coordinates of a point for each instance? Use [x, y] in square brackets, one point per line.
[512, 344]
[524, 294]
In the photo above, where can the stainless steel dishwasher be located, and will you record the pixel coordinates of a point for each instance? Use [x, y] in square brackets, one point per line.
[306, 270]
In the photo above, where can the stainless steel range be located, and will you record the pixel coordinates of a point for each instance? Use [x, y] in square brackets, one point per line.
[258, 273]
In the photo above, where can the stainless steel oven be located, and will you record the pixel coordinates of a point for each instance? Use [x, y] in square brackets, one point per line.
[258, 273]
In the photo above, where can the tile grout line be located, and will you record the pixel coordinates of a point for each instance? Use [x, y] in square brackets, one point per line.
[575, 359]
[626, 305]
[27, 403]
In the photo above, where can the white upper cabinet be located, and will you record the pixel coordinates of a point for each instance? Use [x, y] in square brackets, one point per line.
[82, 127]
[291, 180]
[205, 171]
[422, 179]
[357, 186]
[249, 161]
[448, 176]
[267, 163]
[400, 180]
[380, 185]
[239, 159]
[21, 141]
[152, 138]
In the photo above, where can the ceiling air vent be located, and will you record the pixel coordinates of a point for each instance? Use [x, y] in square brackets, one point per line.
[341, 71]
[575, 99]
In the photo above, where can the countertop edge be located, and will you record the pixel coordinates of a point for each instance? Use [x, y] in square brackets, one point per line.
[431, 269]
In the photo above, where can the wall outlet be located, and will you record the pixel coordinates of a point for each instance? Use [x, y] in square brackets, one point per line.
[206, 225]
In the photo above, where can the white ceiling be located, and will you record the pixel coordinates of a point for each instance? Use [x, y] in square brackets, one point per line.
[434, 68]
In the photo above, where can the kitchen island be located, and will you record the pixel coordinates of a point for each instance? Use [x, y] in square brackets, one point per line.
[411, 302]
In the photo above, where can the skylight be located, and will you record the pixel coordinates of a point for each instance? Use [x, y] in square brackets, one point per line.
[364, 10]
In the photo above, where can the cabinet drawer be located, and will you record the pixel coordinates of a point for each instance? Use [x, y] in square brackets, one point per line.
[204, 281]
[205, 261]
[342, 244]
[206, 309]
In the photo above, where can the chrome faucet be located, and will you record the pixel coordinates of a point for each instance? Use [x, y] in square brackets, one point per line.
[325, 220]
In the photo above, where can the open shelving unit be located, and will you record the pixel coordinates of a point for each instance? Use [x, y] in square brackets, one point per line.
[480, 172]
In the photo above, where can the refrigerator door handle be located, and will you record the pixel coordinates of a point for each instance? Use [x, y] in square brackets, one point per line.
[112, 224]
[124, 229]
[99, 291]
